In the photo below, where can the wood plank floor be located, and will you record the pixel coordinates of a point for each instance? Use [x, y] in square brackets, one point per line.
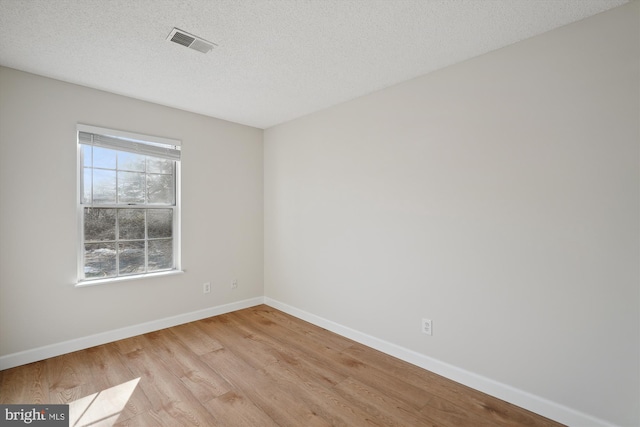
[254, 367]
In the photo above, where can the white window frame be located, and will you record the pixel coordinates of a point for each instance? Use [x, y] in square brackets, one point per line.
[176, 231]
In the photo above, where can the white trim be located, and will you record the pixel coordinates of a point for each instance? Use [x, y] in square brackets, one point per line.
[177, 218]
[92, 282]
[494, 388]
[79, 214]
[127, 135]
[45, 352]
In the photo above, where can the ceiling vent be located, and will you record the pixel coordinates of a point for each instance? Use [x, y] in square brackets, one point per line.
[189, 40]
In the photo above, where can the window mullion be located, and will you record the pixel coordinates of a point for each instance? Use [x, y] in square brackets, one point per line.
[117, 239]
[146, 242]
[146, 211]
[117, 176]
[92, 169]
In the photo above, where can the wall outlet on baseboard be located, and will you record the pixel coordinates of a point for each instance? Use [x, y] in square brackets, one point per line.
[206, 288]
[427, 327]
[234, 284]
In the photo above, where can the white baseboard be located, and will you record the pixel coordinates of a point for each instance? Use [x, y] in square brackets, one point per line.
[41, 353]
[520, 398]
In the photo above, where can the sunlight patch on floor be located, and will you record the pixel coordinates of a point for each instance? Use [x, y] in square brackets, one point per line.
[101, 409]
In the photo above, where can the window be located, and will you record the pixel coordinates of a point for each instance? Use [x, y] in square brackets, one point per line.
[128, 191]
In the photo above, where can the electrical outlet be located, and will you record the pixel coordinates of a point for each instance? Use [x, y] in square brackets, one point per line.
[234, 285]
[427, 327]
[206, 288]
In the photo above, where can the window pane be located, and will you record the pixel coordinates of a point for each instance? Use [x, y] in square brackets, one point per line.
[160, 254]
[86, 155]
[99, 224]
[160, 189]
[104, 186]
[104, 158]
[131, 224]
[156, 165]
[131, 187]
[159, 223]
[131, 257]
[99, 260]
[86, 185]
[130, 161]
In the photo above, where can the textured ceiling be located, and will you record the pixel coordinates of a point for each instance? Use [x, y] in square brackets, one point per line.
[276, 59]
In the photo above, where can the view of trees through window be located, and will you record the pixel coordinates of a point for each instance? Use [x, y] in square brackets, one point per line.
[128, 212]
[124, 241]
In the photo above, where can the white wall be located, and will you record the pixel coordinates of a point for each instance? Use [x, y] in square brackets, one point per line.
[222, 219]
[498, 197]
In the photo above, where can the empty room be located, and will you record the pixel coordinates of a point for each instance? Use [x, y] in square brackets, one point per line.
[320, 212]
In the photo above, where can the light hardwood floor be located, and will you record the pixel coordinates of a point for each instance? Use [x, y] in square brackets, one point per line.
[254, 367]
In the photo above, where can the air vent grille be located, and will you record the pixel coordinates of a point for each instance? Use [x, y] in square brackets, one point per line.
[182, 39]
[189, 40]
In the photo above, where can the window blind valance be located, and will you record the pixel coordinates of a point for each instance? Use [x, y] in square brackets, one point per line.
[131, 144]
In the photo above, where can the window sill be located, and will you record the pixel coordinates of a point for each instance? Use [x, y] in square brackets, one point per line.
[94, 282]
